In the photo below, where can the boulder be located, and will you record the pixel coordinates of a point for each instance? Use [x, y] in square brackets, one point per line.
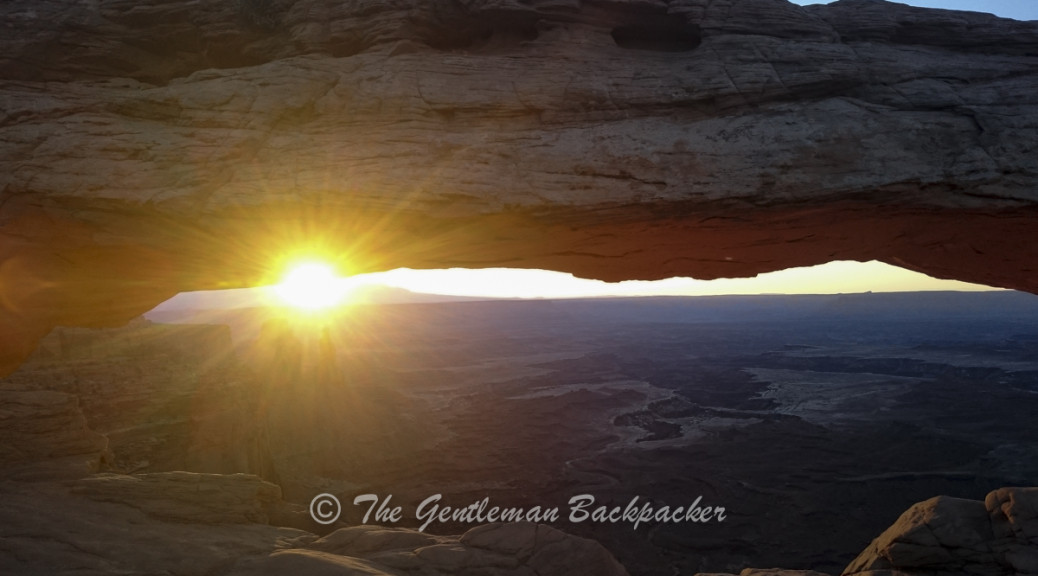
[944, 536]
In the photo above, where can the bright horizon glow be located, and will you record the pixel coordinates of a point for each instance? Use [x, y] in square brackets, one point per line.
[1016, 9]
[832, 278]
[311, 286]
[838, 277]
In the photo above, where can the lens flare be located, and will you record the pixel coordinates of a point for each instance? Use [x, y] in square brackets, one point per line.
[312, 286]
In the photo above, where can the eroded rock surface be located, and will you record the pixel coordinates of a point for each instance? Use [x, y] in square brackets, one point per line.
[944, 536]
[45, 435]
[165, 397]
[207, 524]
[516, 549]
[186, 523]
[153, 147]
[148, 398]
[766, 572]
[188, 496]
[46, 528]
[940, 536]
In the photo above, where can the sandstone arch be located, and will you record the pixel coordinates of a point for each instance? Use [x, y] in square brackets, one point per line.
[148, 148]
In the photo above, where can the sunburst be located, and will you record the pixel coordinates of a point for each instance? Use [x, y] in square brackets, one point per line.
[312, 286]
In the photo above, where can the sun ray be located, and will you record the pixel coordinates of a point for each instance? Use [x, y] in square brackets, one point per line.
[312, 286]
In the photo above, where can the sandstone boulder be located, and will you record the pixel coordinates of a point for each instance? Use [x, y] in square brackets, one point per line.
[1014, 521]
[944, 536]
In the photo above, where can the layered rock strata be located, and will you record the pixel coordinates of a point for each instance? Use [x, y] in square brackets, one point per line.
[153, 147]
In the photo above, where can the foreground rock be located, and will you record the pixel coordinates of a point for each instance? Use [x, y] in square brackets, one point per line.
[944, 536]
[766, 572]
[165, 397]
[45, 435]
[520, 549]
[207, 524]
[45, 528]
[949, 537]
[616, 140]
[187, 496]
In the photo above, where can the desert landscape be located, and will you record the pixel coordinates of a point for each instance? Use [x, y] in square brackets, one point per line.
[815, 421]
[154, 148]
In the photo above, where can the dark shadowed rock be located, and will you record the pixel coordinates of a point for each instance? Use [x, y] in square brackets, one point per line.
[516, 549]
[944, 536]
[166, 397]
[188, 496]
[1014, 521]
[45, 528]
[206, 524]
[45, 436]
[365, 540]
[766, 572]
[543, 548]
[896, 23]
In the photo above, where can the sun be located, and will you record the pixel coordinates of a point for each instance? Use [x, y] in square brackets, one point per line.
[312, 286]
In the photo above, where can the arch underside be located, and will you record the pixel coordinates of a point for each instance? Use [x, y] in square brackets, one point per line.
[612, 140]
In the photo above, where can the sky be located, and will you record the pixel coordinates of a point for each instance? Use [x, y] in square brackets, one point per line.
[832, 278]
[839, 277]
[1017, 9]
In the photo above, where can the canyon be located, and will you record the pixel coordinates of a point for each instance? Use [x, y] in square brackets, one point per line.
[813, 421]
[159, 146]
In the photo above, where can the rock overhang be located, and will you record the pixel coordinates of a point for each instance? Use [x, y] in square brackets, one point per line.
[184, 146]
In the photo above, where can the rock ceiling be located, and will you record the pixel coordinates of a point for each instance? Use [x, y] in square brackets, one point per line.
[149, 147]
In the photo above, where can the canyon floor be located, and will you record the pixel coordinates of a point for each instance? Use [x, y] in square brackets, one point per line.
[815, 421]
